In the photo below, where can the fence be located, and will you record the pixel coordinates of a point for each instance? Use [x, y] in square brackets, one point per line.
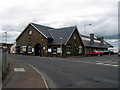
[4, 59]
[3, 63]
[0, 68]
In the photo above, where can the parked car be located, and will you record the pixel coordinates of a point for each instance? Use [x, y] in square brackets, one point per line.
[95, 53]
[118, 53]
[108, 52]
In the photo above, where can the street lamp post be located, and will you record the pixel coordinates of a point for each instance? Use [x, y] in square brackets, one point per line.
[85, 33]
[85, 27]
[6, 37]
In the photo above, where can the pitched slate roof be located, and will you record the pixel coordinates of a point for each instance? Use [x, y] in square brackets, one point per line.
[43, 29]
[65, 32]
[86, 41]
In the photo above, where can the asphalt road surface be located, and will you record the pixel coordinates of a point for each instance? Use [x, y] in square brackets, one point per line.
[84, 72]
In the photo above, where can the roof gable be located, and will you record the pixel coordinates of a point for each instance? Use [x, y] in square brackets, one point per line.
[43, 29]
[65, 32]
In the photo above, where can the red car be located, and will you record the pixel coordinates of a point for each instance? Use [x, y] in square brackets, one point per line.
[97, 53]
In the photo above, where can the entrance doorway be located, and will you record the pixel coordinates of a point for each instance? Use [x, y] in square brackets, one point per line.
[38, 50]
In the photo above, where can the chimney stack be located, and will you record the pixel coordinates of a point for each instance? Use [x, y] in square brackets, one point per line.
[92, 38]
[101, 40]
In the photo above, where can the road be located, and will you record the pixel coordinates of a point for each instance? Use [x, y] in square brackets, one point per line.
[84, 72]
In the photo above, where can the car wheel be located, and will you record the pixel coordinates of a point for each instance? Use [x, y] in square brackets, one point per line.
[88, 55]
[98, 54]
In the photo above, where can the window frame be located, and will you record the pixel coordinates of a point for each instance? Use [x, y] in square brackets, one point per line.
[22, 47]
[30, 32]
[54, 52]
[29, 49]
[68, 49]
[80, 49]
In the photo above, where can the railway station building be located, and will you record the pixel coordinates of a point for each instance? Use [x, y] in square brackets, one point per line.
[46, 41]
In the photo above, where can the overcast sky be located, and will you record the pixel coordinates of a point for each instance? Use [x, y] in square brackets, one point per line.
[15, 15]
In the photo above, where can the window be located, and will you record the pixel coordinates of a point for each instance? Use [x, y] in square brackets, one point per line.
[29, 49]
[54, 50]
[80, 49]
[75, 41]
[49, 50]
[68, 49]
[30, 32]
[74, 37]
[75, 44]
[22, 49]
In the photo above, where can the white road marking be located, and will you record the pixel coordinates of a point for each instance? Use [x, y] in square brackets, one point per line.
[106, 63]
[19, 70]
[115, 65]
[99, 63]
[96, 62]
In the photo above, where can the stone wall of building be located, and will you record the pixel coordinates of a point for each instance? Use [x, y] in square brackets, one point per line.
[36, 38]
[75, 42]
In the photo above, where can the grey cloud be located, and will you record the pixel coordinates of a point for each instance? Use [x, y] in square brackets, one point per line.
[106, 26]
[11, 37]
[19, 28]
[113, 42]
[14, 13]
[12, 31]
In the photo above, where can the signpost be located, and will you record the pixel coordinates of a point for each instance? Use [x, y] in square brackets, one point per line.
[59, 50]
[61, 44]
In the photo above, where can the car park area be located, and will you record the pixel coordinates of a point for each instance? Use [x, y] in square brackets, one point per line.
[100, 53]
[95, 53]
[108, 52]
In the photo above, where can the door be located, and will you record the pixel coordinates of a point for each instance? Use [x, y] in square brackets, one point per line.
[38, 50]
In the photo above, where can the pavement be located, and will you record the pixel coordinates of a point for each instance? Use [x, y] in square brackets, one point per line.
[23, 75]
